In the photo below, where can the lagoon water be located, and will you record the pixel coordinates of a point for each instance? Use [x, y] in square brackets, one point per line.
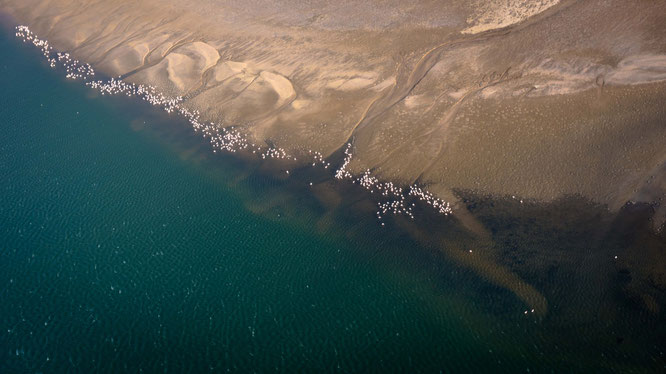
[126, 246]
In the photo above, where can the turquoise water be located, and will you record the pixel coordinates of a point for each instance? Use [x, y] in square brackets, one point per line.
[127, 246]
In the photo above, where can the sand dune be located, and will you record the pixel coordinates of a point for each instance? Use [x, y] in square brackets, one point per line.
[281, 85]
[182, 69]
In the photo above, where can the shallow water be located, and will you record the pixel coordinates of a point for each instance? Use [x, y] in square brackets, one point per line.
[127, 246]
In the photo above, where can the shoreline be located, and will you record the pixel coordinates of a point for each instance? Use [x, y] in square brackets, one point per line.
[396, 199]
[228, 139]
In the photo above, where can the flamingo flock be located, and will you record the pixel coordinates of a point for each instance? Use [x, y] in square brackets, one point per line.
[318, 158]
[342, 172]
[74, 68]
[427, 197]
[231, 139]
[397, 203]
